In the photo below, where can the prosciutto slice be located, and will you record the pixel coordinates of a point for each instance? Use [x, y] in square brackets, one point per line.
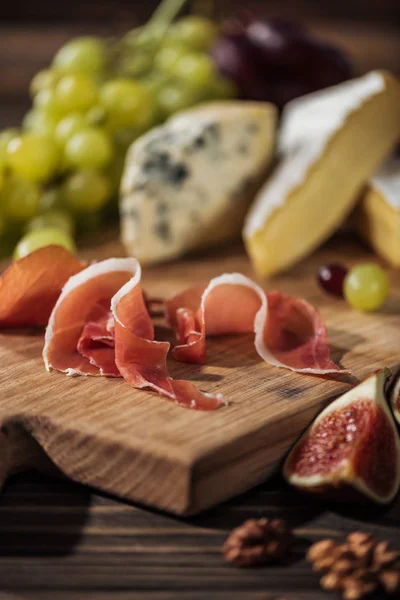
[97, 343]
[141, 360]
[84, 337]
[78, 340]
[29, 288]
[289, 332]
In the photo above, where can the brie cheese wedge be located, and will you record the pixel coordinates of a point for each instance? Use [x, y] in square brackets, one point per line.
[377, 216]
[188, 183]
[330, 143]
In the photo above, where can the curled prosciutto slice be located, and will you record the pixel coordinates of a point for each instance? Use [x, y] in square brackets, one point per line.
[289, 332]
[84, 338]
[29, 288]
[78, 339]
[97, 343]
[141, 360]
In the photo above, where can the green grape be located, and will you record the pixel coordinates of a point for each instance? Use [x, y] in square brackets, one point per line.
[57, 219]
[39, 238]
[89, 148]
[196, 70]
[75, 93]
[96, 115]
[68, 126]
[20, 199]
[173, 98]
[2, 177]
[50, 199]
[45, 79]
[137, 65]
[167, 57]
[39, 122]
[128, 104]
[33, 156]
[46, 102]
[366, 287]
[5, 137]
[86, 191]
[194, 32]
[82, 55]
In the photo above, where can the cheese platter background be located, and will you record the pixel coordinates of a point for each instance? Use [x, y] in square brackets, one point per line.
[64, 541]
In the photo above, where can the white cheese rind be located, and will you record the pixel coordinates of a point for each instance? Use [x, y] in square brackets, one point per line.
[190, 181]
[308, 125]
[387, 182]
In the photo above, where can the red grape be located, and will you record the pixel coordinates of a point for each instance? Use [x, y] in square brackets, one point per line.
[331, 278]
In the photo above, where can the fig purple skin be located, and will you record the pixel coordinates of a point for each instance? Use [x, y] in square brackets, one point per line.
[275, 60]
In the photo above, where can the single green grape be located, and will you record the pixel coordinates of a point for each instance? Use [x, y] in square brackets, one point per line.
[50, 199]
[366, 287]
[45, 79]
[89, 148]
[39, 122]
[33, 157]
[195, 32]
[68, 126]
[173, 98]
[128, 104]
[58, 219]
[2, 177]
[96, 115]
[20, 199]
[5, 137]
[86, 191]
[39, 238]
[75, 93]
[196, 70]
[45, 101]
[167, 57]
[82, 55]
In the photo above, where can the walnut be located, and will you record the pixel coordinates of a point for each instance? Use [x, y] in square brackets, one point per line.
[358, 567]
[257, 542]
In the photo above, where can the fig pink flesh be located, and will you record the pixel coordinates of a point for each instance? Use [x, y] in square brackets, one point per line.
[360, 433]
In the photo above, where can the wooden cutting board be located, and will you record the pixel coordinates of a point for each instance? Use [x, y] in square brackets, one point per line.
[141, 447]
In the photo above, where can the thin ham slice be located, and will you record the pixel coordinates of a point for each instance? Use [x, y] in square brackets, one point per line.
[97, 343]
[80, 316]
[29, 288]
[84, 338]
[289, 332]
[141, 360]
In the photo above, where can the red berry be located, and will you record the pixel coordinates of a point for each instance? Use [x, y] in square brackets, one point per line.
[331, 278]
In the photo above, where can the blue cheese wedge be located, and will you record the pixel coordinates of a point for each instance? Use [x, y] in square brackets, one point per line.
[377, 215]
[188, 183]
[330, 144]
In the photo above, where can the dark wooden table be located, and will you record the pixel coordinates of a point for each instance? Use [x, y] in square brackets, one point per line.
[60, 541]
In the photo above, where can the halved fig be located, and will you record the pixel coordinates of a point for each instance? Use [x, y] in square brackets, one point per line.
[395, 397]
[353, 445]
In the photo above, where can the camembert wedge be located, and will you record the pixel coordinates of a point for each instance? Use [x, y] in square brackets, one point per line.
[189, 183]
[330, 144]
[377, 215]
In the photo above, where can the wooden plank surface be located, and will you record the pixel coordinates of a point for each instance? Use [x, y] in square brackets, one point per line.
[139, 446]
[61, 541]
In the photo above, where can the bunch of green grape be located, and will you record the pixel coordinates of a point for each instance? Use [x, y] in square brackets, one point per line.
[60, 172]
